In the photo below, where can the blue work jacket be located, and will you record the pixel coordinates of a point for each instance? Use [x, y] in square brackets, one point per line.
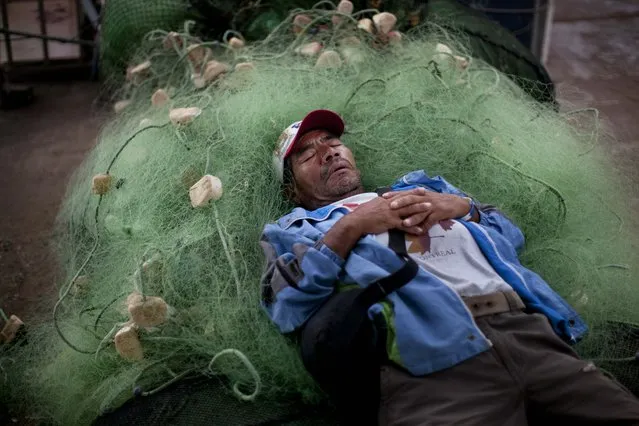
[430, 327]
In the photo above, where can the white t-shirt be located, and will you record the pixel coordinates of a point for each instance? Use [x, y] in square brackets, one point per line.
[448, 251]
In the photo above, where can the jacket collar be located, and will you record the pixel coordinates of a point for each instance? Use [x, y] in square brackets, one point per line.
[299, 213]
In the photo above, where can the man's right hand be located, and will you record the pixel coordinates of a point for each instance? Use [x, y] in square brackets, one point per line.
[377, 216]
[373, 217]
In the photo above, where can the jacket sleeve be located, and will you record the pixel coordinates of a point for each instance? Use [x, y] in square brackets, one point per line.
[300, 275]
[489, 216]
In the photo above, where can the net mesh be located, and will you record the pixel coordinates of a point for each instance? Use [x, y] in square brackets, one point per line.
[407, 106]
[126, 22]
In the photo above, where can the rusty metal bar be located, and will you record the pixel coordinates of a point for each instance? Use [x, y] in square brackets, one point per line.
[79, 17]
[43, 30]
[50, 38]
[7, 36]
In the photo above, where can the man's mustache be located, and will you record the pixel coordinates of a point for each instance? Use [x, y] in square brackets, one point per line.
[328, 168]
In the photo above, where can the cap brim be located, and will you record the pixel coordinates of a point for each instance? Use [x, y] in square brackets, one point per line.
[320, 119]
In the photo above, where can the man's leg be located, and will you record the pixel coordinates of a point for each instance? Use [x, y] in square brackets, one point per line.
[479, 391]
[558, 381]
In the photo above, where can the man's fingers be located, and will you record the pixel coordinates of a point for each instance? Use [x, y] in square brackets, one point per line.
[389, 195]
[413, 209]
[400, 202]
[432, 219]
[415, 219]
[414, 191]
[405, 199]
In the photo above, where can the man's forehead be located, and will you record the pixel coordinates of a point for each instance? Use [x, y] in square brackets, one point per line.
[312, 137]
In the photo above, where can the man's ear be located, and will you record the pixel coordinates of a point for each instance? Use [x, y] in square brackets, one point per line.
[291, 192]
[297, 196]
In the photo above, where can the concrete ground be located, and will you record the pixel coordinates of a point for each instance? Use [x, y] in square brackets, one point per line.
[594, 58]
[40, 146]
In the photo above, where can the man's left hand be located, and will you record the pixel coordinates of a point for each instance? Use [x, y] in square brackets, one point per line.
[442, 206]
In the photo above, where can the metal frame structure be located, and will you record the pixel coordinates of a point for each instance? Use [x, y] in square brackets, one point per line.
[540, 25]
[542, 29]
[84, 8]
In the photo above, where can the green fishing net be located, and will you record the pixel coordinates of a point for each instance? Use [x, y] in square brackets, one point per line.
[256, 19]
[126, 22]
[189, 276]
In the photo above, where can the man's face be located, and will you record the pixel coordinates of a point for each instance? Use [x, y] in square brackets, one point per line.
[324, 170]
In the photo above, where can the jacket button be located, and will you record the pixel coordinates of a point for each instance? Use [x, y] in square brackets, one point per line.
[571, 323]
[471, 337]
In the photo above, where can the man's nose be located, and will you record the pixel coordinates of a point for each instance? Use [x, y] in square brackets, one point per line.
[328, 153]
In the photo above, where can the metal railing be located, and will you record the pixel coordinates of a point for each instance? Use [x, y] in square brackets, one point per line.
[85, 9]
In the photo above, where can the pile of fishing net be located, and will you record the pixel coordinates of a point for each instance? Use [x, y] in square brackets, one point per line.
[255, 19]
[158, 235]
[126, 22]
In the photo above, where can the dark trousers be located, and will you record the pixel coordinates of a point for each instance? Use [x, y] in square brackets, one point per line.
[528, 374]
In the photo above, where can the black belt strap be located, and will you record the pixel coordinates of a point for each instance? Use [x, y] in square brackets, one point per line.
[397, 241]
[378, 290]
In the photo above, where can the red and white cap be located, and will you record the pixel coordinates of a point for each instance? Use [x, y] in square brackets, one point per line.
[320, 119]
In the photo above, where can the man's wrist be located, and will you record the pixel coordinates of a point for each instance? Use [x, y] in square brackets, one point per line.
[343, 236]
[349, 226]
[470, 210]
